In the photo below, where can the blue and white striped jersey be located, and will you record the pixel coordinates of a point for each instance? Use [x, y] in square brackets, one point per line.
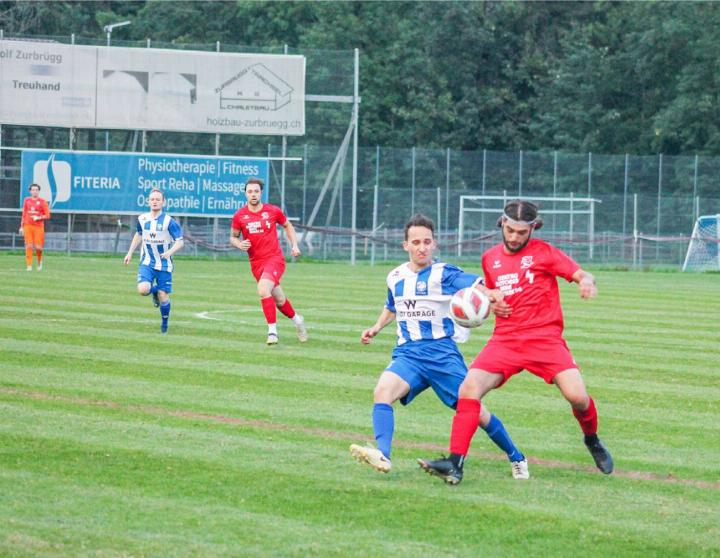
[421, 301]
[158, 235]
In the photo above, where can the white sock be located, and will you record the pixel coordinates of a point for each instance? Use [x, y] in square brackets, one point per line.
[272, 328]
[297, 319]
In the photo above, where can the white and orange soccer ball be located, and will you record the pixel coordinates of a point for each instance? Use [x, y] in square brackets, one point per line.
[469, 307]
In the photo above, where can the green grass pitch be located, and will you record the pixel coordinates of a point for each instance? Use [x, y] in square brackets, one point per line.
[117, 441]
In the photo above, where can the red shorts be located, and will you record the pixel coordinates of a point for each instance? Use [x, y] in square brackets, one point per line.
[543, 357]
[271, 269]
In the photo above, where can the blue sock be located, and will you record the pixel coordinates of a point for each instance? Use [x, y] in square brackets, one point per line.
[383, 419]
[165, 311]
[153, 289]
[497, 433]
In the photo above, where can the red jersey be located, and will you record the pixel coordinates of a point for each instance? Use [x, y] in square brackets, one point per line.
[35, 207]
[260, 229]
[528, 281]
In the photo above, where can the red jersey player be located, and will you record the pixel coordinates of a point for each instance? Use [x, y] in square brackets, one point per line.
[527, 335]
[32, 226]
[257, 223]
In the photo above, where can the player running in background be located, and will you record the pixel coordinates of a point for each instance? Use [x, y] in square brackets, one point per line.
[257, 223]
[161, 236]
[426, 355]
[32, 226]
[529, 337]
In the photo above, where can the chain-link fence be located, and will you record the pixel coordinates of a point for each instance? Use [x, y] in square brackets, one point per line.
[646, 211]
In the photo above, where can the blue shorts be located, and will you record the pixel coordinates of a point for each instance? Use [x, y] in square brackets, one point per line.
[149, 275]
[433, 363]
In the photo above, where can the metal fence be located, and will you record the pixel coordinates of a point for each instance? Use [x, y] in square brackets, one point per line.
[648, 204]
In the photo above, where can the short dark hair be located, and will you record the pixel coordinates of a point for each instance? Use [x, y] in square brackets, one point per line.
[257, 181]
[420, 220]
[33, 185]
[522, 210]
[159, 191]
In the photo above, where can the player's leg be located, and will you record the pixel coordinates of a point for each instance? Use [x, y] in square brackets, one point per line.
[39, 242]
[163, 288]
[145, 279]
[282, 303]
[571, 385]
[265, 287]
[389, 388]
[446, 373]
[28, 236]
[464, 425]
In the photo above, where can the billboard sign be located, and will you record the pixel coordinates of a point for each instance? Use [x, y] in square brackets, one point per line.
[74, 182]
[52, 84]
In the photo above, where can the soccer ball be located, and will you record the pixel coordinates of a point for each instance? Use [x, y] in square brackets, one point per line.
[469, 307]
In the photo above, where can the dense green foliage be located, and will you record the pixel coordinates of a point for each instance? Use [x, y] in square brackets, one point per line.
[608, 77]
[117, 441]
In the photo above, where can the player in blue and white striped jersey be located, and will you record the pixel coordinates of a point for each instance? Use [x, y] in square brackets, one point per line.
[161, 236]
[426, 354]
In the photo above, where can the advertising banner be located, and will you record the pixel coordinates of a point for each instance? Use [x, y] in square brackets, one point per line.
[51, 84]
[74, 182]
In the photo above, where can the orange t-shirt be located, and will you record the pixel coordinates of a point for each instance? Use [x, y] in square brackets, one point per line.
[37, 207]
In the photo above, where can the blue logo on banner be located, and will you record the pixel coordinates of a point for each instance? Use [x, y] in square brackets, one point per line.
[117, 183]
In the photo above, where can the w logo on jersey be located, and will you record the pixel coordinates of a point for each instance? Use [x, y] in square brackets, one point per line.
[409, 303]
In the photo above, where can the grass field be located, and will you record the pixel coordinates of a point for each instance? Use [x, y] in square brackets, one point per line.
[117, 441]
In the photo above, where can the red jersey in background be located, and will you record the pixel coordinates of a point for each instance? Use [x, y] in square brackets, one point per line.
[260, 229]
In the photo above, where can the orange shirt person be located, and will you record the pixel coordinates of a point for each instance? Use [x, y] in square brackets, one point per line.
[34, 214]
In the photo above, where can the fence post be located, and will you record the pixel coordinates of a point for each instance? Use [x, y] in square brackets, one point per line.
[659, 202]
[520, 174]
[635, 231]
[590, 169]
[412, 183]
[555, 173]
[447, 191]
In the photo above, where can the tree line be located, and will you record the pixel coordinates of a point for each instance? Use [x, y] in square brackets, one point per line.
[606, 77]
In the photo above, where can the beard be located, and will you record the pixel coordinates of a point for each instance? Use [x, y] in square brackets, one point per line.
[515, 249]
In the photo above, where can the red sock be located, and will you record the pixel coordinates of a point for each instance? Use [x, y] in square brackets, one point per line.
[38, 253]
[287, 309]
[465, 423]
[588, 419]
[268, 306]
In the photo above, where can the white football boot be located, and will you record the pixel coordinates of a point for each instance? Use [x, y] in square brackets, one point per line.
[372, 456]
[520, 469]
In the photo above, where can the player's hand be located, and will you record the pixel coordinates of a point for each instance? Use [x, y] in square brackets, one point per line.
[498, 306]
[165, 256]
[127, 258]
[588, 289]
[244, 245]
[35, 218]
[367, 335]
[295, 251]
[21, 231]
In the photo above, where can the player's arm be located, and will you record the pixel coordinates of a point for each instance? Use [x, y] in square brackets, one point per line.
[177, 245]
[385, 317]
[236, 241]
[134, 243]
[292, 238]
[586, 282]
[45, 215]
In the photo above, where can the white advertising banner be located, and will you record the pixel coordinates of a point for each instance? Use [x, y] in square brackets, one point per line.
[49, 84]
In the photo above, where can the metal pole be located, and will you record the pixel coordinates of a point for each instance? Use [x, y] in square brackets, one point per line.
[305, 166]
[69, 232]
[217, 136]
[635, 230]
[572, 220]
[484, 176]
[659, 201]
[520, 172]
[555, 174]
[356, 112]
[439, 228]
[591, 227]
[375, 202]
[461, 223]
[282, 163]
[412, 183]
[625, 191]
[590, 169]
[107, 134]
[695, 184]
[447, 191]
